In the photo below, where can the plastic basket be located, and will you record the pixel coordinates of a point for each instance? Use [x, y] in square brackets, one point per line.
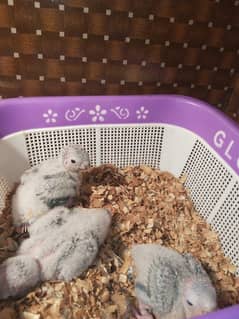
[174, 133]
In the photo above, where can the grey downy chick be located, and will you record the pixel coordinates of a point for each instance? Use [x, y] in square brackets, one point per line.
[170, 285]
[55, 182]
[18, 275]
[62, 245]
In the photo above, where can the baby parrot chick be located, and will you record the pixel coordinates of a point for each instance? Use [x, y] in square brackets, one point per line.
[170, 285]
[54, 182]
[62, 245]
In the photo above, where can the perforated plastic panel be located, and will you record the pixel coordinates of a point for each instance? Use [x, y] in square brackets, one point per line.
[124, 146]
[45, 144]
[226, 222]
[4, 189]
[207, 178]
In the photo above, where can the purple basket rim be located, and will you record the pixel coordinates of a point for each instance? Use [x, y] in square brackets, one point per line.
[196, 102]
[229, 312]
[209, 123]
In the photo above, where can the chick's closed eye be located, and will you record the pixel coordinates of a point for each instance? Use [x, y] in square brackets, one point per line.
[189, 303]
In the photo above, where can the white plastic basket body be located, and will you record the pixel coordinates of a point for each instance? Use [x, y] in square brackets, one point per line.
[177, 134]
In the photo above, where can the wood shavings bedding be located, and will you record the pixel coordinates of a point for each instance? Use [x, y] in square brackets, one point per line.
[147, 206]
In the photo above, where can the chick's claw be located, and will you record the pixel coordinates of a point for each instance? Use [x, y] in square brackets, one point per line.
[142, 313]
[137, 315]
[25, 227]
[22, 229]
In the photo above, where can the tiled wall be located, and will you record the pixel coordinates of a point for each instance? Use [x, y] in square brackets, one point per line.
[82, 47]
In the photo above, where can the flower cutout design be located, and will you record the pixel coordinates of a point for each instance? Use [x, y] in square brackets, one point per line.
[50, 116]
[142, 113]
[98, 113]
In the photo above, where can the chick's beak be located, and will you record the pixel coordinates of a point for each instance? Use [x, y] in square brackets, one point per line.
[84, 165]
[200, 313]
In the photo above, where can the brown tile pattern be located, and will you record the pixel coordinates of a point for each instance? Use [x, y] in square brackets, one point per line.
[83, 47]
